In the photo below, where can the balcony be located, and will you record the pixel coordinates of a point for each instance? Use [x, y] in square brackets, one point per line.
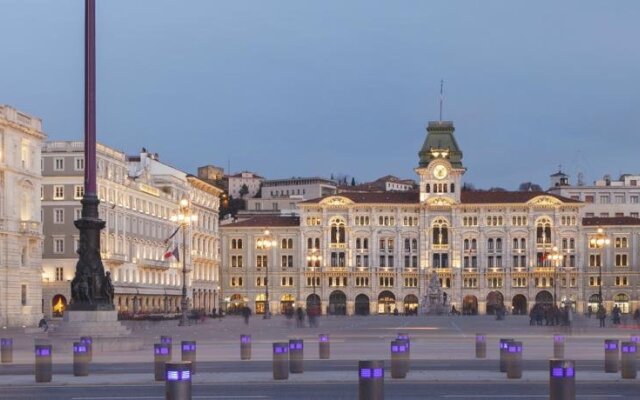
[115, 257]
[156, 264]
[29, 227]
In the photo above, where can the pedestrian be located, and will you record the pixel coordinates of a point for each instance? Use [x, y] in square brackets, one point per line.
[532, 315]
[589, 311]
[300, 317]
[601, 314]
[43, 325]
[636, 316]
[246, 313]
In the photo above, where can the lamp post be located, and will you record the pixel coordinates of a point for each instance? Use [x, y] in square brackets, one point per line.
[184, 217]
[599, 241]
[313, 261]
[266, 242]
[556, 259]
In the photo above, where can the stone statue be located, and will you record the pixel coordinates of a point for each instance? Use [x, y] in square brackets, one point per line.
[435, 301]
[107, 287]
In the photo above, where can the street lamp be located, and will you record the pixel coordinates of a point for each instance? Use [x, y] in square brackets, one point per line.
[266, 242]
[313, 261]
[599, 241]
[556, 259]
[184, 217]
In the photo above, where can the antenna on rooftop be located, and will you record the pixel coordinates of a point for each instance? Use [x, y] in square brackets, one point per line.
[441, 96]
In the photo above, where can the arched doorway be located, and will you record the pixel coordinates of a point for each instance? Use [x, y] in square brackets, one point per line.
[622, 301]
[470, 305]
[544, 297]
[362, 304]
[313, 302]
[261, 303]
[495, 301]
[386, 302]
[410, 304]
[337, 303]
[286, 303]
[58, 305]
[236, 303]
[593, 303]
[519, 304]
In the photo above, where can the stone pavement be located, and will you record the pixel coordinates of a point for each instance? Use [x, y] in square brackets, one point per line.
[352, 338]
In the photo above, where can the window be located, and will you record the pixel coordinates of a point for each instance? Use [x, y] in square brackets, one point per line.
[469, 221]
[605, 199]
[59, 274]
[470, 282]
[440, 232]
[338, 259]
[589, 198]
[494, 220]
[594, 260]
[78, 192]
[411, 282]
[236, 244]
[622, 281]
[287, 261]
[79, 164]
[286, 244]
[236, 261]
[594, 281]
[261, 261]
[362, 220]
[58, 216]
[621, 242]
[520, 282]
[622, 260]
[23, 295]
[58, 192]
[337, 232]
[58, 245]
[58, 164]
[633, 199]
[313, 243]
[386, 281]
[362, 281]
[543, 231]
[440, 260]
[236, 281]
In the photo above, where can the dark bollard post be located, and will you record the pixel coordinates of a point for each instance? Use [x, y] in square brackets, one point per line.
[406, 338]
[245, 347]
[88, 341]
[611, 356]
[80, 359]
[324, 346]
[296, 356]
[6, 350]
[504, 344]
[167, 340]
[371, 380]
[189, 354]
[399, 367]
[562, 380]
[628, 351]
[178, 381]
[43, 362]
[281, 360]
[636, 339]
[558, 346]
[161, 356]
[481, 345]
[514, 360]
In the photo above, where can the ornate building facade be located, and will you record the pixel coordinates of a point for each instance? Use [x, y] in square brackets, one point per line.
[374, 253]
[21, 139]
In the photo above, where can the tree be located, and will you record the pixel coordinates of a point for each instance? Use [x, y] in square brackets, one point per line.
[353, 181]
[529, 187]
[244, 190]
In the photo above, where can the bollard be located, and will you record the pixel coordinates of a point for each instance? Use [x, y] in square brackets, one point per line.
[514, 360]
[611, 356]
[481, 345]
[88, 341]
[167, 340]
[628, 364]
[503, 351]
[281, 360]
[562, 380]
[324, 346]
[636, 339]
[406, 338]
[371, 380]
[80, 359]
[161, 355]
[43, 362]
[6, 350]
[245, 347]
[399, 359]
[296, 356]
[558, 346]
[189, 354]
[178, 381]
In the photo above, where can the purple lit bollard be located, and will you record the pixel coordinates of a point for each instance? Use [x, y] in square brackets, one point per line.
[636, 339]
[296, 356]
[178, 381]
[514, 360]
[611, 356]
[88, 341]
[504, 344]
[399, 359]
[169, 341]
[371, 380]
[628, 352]
[43, 362]
[324, 346]
[6, 350]
[562, 380]
[161, 356]
[245, 347]
[481, 345]
[80, 359]
[558, 346]
[281, 360]
[189, 354]
[406, 338]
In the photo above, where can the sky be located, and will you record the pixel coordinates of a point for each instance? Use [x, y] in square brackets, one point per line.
[300, 88]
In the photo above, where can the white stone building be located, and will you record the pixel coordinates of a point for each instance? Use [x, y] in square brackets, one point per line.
[245, 178]
[281, 196]
[21, 138]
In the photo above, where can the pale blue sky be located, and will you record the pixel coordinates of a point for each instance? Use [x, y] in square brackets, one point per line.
[300, 88]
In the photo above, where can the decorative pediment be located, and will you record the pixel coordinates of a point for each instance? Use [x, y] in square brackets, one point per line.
[336, 201]
[544, 201]
[440, 202]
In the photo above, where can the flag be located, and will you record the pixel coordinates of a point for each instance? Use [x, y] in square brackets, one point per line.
[172, 235]
[174, 253]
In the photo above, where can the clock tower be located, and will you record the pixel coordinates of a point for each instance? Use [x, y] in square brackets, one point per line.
[440, 167]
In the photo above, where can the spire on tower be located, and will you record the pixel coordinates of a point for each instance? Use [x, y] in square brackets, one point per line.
[441, 96]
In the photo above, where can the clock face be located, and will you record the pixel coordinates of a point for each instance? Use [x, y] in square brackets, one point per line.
[440, 171]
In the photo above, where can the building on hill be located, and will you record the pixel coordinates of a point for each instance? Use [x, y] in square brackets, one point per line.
[388, 183]
[281, 196]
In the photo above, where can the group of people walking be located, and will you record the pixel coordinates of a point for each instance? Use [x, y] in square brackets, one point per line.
[549, 315]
